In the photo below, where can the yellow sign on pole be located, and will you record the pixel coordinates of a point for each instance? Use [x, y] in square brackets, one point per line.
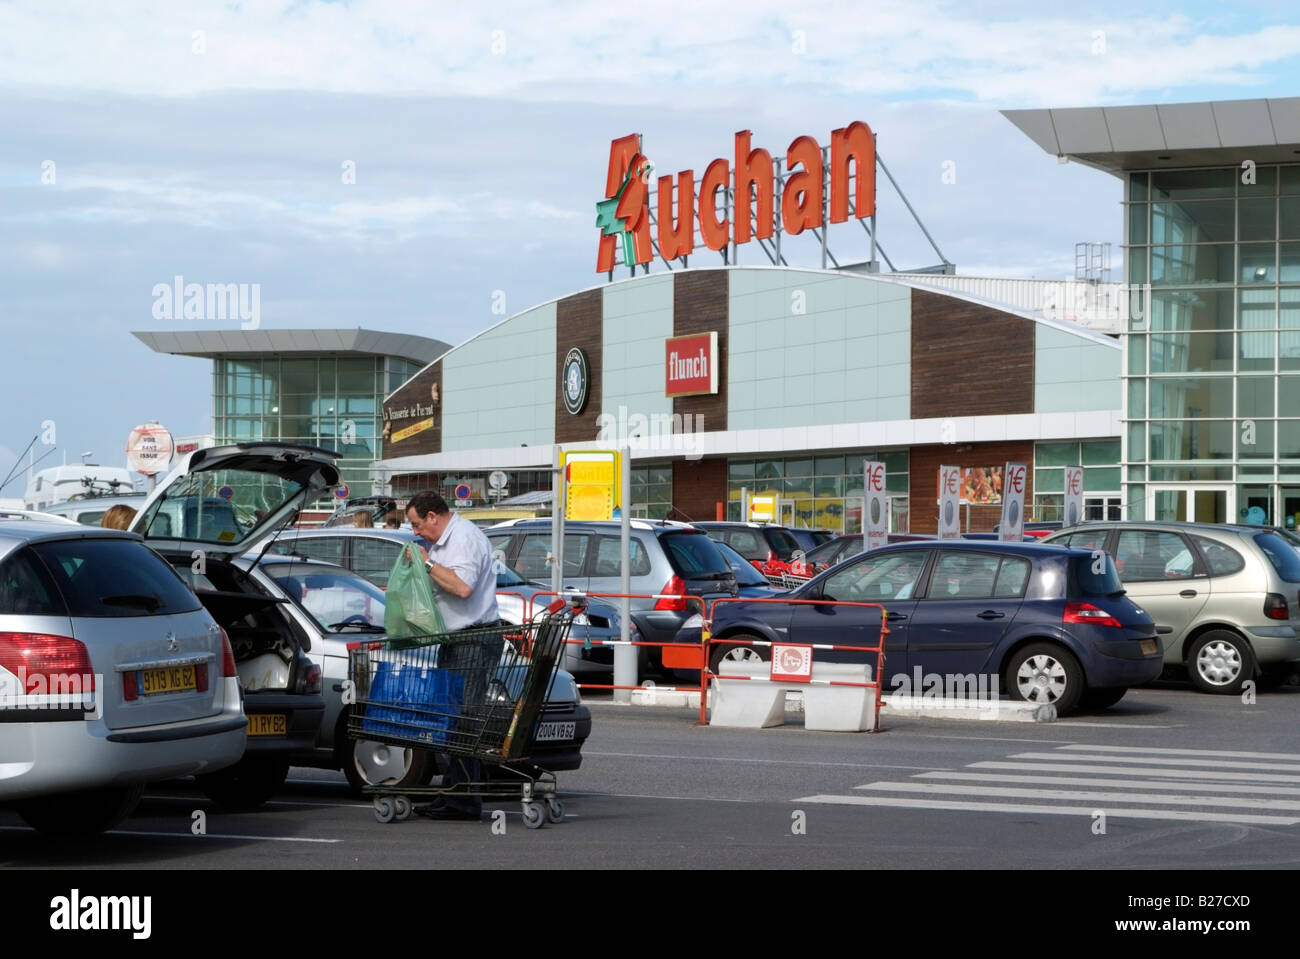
[591, 486]
[762, 509]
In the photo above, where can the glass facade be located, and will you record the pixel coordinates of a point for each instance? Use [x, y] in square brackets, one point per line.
[820, 492]
[1101, 478]
[334, 402]
[1212, 392]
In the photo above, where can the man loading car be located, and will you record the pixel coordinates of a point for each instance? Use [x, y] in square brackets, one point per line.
[459, 561]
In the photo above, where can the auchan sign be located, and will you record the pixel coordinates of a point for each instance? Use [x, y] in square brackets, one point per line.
[625, 210]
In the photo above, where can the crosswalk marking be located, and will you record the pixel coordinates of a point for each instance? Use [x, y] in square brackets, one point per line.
[1179, 786]
[1238, 818]
[1126, 782]
[1162, 761]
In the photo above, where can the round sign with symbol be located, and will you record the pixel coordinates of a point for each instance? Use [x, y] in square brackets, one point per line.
[574, 378]
[225, 492]
[462, 491]
[497, 479]
[341, 492]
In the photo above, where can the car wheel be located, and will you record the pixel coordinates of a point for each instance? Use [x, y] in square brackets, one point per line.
[724, 654]
[1045, 673]
[81, 813]
[247, 784]
[1102, 696]
[370, 763]
[1220, 662]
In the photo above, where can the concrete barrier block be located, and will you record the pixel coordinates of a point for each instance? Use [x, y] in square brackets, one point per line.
[749, 704]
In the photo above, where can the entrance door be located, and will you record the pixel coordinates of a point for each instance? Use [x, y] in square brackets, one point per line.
[1193, 504]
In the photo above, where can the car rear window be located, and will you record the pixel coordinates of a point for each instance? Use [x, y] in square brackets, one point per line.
[1284, 559]
[1221, 558]
[782, 543]
[26, 588]
[609, 558]
[114, 577]
[1096, 574]
[693, 554]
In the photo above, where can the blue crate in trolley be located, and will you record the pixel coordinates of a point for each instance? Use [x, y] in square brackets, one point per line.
[413, 702]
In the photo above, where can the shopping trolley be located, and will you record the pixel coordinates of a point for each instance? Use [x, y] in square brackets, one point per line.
[472, 694]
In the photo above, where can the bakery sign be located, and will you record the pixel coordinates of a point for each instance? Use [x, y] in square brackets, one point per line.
[691, 364]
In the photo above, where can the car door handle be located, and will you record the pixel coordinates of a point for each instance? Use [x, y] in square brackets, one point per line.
[1187, 593]
[895, 617]
[990, 614]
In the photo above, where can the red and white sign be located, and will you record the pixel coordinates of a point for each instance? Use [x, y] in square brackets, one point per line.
[691, 365]
[950, 502]
[791, 664]
[149, 449]
[1073, 512]
[875, 507]
[1012, 529]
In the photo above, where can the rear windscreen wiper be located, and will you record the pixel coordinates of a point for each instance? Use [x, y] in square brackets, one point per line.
[150, 603]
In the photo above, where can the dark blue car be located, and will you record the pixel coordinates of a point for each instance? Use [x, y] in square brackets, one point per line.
[1052, 624]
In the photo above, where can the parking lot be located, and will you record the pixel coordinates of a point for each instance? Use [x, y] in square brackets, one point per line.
[1173, 778]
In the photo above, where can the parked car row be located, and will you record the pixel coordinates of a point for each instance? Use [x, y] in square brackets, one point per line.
[172, 650]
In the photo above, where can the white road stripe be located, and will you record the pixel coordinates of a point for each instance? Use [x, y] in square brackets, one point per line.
[1068, 722]
[1168, 751]
[1139, 771]
[188, 835]
[1123, 783]
[774, 762]
[1012, 792]
[1082, 811]
[1159, 761]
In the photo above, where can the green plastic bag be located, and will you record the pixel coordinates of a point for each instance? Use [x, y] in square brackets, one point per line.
[410, 607]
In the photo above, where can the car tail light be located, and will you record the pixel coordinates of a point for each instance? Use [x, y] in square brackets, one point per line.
[46, 663]
[228, 670]
[310, 681]
[201, 678]
[1275, 606]
[674, 595]
[1089, 614]
[130, 691]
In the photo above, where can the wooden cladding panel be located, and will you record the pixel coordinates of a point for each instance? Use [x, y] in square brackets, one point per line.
[923, 482]
[700, 305]
[578, 322]
[969, 360]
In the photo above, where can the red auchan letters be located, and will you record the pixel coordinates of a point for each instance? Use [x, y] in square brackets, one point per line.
[754, 180]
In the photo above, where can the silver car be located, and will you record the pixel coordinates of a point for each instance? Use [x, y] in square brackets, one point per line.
[112, 675]
[1226, 598]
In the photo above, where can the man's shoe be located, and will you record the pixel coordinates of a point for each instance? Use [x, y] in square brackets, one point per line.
[445, 812]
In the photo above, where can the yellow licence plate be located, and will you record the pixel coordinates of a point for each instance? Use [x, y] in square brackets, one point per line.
[267, 724]
[172, 679]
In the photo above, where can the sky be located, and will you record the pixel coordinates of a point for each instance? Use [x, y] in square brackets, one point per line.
[407, 167]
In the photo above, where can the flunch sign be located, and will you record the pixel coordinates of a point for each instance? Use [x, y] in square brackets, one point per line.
[625, 209]
[691, 364]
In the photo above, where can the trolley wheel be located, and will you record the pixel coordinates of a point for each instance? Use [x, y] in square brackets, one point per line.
[534, 818]
[555, 810]
[402, 808]
[384, 810]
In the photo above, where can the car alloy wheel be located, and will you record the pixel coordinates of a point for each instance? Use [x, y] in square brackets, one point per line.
[1220, 662]
[370, 763]
[724, 655]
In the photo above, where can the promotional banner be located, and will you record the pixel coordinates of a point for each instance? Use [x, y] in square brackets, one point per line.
[591, 479]
[1073, 495]
[1012, 529]
[949, 502]
[875, 518]
[981, 485]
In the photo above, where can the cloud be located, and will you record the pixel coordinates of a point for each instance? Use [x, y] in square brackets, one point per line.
[600, 52]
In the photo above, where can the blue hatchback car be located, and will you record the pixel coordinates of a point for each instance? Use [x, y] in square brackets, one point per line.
[1052, 624]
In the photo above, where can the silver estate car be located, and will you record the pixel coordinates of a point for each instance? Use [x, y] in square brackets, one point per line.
[1225, 598]
[112, 675]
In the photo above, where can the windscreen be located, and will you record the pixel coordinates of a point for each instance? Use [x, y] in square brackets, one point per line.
[222, 507]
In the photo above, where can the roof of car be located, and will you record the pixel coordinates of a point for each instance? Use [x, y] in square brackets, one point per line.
[375, 531]
[29, 530]
[984, 545]
[642, 524]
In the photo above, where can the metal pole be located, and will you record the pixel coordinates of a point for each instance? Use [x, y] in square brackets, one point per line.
[625, 657]
[557, 524]
[826, 182]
